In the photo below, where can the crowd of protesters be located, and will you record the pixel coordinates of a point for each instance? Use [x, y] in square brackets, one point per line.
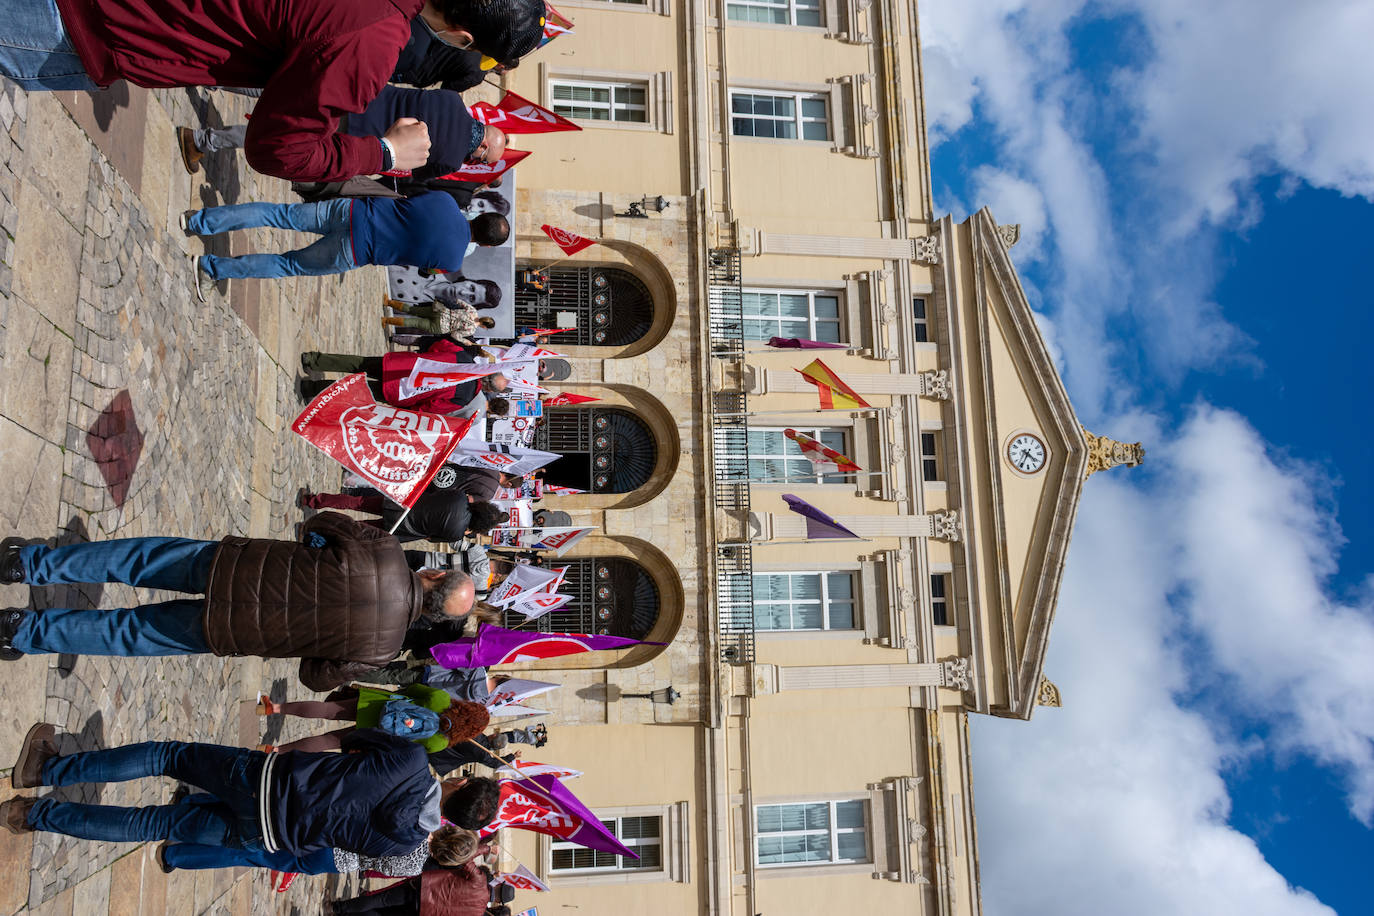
[360, 612]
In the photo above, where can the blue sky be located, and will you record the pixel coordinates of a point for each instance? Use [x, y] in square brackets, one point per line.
[1194, 184]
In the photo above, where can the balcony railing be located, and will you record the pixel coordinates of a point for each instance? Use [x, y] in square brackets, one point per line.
[727, 302]
[730, 447]
[735, 602]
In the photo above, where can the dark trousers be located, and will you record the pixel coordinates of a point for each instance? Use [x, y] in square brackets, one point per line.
[400, 899]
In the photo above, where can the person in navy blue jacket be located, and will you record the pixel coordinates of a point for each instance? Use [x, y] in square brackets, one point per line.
[377, 798]
[427, 231]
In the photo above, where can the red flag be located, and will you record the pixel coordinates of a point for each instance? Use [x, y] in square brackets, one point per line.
[517, 115]
[567, 399]
[545, 805]
[396, 451]
[555, 24]
[569, 242]
[483, 172]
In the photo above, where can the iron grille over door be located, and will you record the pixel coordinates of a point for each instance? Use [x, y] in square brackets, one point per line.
[605, 306]
[604, 450]
[610, 595]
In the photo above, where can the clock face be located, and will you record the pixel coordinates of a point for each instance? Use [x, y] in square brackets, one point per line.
[1026, 453]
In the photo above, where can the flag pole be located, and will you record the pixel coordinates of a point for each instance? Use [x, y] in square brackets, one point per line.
[519, 777]
[796, 412]
[772, 541]
[393, 528]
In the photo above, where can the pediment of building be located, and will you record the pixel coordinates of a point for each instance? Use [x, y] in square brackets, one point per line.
[1021, 415]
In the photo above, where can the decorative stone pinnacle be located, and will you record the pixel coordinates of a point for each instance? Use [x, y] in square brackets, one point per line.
[1104, 453]
[1048, 694]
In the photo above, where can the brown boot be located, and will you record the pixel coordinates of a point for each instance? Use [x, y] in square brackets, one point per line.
[14, 814]
[190, 156]
[40, 745]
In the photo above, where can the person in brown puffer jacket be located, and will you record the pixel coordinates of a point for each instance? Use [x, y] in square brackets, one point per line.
[340, 600]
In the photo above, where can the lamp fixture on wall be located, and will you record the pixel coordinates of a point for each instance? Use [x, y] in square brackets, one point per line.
[639, 209]
[661, 695]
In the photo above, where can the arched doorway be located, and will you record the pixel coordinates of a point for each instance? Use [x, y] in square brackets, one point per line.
[604, 306]
[604, 450]
[610, 596]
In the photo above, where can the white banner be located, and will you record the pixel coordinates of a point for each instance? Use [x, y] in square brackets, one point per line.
[523, 580]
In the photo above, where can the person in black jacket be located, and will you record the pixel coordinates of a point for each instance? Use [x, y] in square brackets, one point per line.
[377, 798]
[438, 515]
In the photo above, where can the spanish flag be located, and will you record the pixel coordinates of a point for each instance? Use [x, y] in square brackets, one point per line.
[835, 394]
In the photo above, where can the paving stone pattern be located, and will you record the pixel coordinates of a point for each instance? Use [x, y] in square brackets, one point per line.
[128, 408]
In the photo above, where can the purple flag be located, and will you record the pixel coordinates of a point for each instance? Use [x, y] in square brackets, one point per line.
[804, 343]
[543, 804]
[818, 524]
[499, 646]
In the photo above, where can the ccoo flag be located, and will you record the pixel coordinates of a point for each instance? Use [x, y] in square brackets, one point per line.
[818, 524]
[835, 394]
[543, 804]
[570, 242]
[517, 115]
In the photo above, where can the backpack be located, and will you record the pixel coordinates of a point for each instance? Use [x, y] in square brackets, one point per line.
[404, 719]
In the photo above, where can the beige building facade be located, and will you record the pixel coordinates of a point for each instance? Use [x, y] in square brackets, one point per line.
[754, 169]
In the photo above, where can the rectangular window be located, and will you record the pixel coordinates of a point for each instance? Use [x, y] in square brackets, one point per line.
[778, 12]
[601, 100]
[939, 600]
[930, 468]
[774, 458]
[812, 833]
[642, 834]
[779, 115]
[791, 313]
[918, 314]
[804, 601]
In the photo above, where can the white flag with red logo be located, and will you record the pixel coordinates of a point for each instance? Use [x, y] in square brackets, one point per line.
[536, 606]
[519, 768]
[508, 459]
[432, 374]
[517, 115]
[555, 539]
[823, 458]
[570, 242]
[395, 450]
[523, 580]
[516, 690]
[522, 878]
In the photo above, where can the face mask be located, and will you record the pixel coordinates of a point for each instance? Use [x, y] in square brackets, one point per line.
[487, 63]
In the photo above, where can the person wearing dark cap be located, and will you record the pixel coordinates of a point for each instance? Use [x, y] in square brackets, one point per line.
[315, 60]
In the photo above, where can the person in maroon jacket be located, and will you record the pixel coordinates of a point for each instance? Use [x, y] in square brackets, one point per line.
[315, 60]
[400, 378]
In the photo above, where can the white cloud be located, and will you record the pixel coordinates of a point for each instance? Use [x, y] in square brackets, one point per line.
[1255, 548]
[1115, 803]
[1240, 88]
[1013, 199]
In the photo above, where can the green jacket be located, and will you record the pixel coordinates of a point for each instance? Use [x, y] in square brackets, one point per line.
[371, 701]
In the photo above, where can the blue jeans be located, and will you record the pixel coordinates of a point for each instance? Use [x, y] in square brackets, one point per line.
[199, 855]
[165, 628]
[229, 774]
[35, 51]
[332, 254]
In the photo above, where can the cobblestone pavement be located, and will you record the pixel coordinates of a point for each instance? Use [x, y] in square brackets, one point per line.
[128, 408]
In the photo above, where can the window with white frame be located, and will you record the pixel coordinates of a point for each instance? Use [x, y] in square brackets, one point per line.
[804, 601]
[774, 458]
[779, 115]
[930, 465]
[918, 315]
[939, 600]
[778, 12]
[643, 834]
[811, 833]
[624, 101]
[813, 314]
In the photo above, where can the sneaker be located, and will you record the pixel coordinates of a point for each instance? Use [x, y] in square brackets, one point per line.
[15, 813]
[40, 745]
[184, 221]
[10, 619]
[190, 156]
[200, 280]
[265, 706]
[11, 568]
[308, 358]
[303, 498]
